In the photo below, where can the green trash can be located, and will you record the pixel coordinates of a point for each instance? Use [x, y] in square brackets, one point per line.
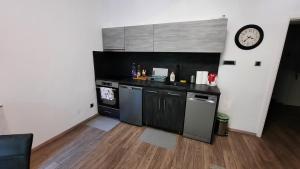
[221, 127]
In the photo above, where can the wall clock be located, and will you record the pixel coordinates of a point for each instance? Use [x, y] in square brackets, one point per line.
[249, 37]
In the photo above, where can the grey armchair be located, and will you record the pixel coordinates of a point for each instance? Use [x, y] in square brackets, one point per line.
[15, 151]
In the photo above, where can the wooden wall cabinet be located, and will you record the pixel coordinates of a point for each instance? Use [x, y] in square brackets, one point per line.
[113, 38]
[139, 38]
[207, 36]
[198, 36]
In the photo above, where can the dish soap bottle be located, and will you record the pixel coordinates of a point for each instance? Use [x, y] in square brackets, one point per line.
[133, 70]
[172, 77]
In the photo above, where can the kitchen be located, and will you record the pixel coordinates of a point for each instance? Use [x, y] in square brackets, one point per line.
[49, 79]
[162, 75]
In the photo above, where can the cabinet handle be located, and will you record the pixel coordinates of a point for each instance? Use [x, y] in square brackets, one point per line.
[164, 104]
[149, 91]
[158, 103]
[173, 94]
[202, 100]
[136, 88]
[107, 112]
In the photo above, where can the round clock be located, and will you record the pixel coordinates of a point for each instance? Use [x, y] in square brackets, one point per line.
[249, 37]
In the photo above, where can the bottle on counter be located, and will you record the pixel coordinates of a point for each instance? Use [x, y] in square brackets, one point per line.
[133, 70]
[144, 72]
[192, 81]
[172, 77]
[177, 72]
[138, 74]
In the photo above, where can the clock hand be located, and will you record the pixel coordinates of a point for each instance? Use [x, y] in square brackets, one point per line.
[245, 39]
[250, 37]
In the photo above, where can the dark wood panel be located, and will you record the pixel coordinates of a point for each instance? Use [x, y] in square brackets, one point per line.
[151, 99]
[173, 110]
[164, 109]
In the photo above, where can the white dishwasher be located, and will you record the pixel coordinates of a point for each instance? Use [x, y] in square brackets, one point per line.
[199, 116]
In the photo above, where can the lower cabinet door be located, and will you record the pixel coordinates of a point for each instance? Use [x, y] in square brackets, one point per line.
[150, 106]
[173, 111]
[164, 109]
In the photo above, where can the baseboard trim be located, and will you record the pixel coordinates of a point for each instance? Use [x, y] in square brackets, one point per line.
[242, 131]
[61, 134]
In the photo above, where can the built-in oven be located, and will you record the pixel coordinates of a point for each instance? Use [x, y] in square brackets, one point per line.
[108, 98]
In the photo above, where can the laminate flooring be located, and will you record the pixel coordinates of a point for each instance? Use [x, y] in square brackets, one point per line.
[120, 148]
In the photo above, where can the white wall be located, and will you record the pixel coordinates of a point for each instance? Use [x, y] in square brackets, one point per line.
[246, 89]
[46, 66]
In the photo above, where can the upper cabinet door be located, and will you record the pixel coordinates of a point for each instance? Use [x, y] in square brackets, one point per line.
[139, 38]
[197, 36]
[113, 38]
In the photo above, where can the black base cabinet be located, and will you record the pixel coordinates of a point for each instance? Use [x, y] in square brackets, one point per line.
[164, 109]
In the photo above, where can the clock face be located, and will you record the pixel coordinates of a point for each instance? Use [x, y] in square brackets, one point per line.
[249, 37]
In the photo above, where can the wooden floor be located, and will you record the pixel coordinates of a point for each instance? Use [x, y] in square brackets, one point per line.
[91, 148]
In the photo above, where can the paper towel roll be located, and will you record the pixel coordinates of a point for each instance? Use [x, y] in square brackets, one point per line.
[199, 77]
[205, 77]
[3, 123]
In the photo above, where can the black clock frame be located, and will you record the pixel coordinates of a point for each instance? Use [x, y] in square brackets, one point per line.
[261, 32]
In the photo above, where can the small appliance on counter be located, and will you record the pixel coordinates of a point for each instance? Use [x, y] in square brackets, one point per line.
[159, 74]
[108, 98]
[212, 79]
[201, 77]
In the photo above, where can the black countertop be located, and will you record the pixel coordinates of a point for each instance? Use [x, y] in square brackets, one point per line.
[214, 90]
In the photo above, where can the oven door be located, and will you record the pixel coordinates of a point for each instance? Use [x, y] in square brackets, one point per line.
[108, 96]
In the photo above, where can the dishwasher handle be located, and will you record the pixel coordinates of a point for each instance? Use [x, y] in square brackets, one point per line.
[202, 100]
[136, 88]
[130, 87]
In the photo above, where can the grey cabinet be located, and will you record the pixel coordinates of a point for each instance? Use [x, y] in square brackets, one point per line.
[131, 104]
[113, 38]
[197, 36]
[139, 38]
[164, 109]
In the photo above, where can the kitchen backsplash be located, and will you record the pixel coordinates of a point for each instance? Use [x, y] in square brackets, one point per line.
[118, 64]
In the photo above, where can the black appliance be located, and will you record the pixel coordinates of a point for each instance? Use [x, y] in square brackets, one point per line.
[108, 98]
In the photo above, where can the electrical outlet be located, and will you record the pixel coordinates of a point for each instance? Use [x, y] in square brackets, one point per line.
[229, 62]
[257, 63]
